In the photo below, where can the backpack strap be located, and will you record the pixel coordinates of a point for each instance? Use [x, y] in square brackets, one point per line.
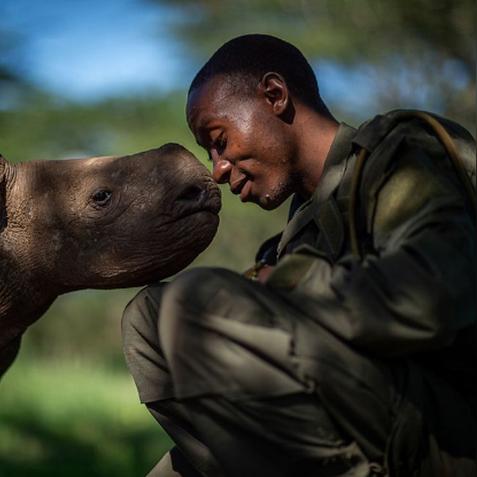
[370, 136]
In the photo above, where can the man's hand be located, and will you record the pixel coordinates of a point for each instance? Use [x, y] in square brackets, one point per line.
[263, 273]
[259, 272]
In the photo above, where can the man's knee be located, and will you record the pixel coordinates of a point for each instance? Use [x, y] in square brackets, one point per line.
[189, 299]
[141, 346]
[164, 302]
[142, 309]
[217, 337]
[183, 302]
[139, 324]
[133, 312]
[194, 289]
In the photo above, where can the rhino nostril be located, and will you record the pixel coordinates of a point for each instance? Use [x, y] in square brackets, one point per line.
[192, 193]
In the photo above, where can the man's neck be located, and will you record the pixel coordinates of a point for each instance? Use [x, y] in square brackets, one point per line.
[315, 135]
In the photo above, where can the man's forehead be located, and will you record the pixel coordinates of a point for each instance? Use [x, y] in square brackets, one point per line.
[210, 100]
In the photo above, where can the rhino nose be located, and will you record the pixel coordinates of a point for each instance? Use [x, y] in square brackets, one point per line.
[192, 193]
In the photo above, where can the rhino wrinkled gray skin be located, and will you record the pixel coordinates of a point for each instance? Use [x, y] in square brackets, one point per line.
[102, 222]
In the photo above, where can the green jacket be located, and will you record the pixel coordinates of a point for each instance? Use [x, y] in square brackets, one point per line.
[413, 292]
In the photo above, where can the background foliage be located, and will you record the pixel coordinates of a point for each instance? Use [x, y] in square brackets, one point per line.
[67, 406]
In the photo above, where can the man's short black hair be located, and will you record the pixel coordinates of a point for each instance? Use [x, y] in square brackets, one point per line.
[245, 59]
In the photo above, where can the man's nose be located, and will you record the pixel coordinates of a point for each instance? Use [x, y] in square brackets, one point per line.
[221, 171]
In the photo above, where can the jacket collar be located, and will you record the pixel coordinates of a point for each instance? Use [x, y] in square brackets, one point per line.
[335, 164]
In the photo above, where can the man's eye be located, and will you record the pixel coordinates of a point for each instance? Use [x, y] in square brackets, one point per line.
[220, 144]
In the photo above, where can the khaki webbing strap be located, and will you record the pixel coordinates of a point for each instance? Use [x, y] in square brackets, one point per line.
[353, 201]
[363, 154]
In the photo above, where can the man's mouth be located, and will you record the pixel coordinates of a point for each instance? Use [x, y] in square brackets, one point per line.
[245, 192]
[241, 187]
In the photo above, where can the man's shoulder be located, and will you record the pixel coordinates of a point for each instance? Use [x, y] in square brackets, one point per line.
[410, 166]
[416, 130]
[402, 122]
[388, 137]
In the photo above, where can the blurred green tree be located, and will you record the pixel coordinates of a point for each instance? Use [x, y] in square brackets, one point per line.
[8, 78]
[15, 88]
[412, 52]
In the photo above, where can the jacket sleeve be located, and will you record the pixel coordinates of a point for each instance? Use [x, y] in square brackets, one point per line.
[418, 290]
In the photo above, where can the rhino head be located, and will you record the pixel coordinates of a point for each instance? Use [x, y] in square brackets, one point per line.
[101, 222]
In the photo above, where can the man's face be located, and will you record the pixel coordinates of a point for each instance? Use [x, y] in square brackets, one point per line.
[251, 147]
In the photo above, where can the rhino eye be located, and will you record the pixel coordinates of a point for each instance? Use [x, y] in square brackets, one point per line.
[101, 197]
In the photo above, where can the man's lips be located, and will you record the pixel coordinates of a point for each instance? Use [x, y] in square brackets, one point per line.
[236, 186]
[241, 186]
[245, 192]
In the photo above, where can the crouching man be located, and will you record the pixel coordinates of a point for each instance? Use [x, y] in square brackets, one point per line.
[352, 352]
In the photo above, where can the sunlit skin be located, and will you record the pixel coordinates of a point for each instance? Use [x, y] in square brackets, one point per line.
[265, 144]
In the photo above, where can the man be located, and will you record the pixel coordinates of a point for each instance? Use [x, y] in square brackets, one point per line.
[353, 353]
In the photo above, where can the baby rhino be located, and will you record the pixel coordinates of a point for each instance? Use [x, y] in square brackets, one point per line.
[102, 222]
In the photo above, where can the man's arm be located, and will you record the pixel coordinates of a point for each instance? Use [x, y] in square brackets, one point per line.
[417, 292]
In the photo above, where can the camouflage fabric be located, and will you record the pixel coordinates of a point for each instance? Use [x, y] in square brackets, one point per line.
[337, 366]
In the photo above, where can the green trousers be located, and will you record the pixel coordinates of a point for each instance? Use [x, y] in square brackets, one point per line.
[215, 359]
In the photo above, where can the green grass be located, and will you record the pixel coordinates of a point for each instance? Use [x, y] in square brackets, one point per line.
[74, 419]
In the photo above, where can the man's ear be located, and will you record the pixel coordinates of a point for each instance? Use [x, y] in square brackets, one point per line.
[273, 86]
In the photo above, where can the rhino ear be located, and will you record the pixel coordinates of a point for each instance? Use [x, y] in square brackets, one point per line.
[3, 166]
[3, 163]
[3, 189]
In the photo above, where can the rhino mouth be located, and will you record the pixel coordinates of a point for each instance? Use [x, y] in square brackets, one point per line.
[203, 196]
[211, 204]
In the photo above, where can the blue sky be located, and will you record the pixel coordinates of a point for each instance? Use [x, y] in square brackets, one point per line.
[89, 49]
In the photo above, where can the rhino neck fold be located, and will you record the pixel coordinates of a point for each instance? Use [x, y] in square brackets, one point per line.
[23, 298]
[3, 164]
[3, 193]
[17, 314]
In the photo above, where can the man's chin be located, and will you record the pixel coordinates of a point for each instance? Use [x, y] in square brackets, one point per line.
[269, 202]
